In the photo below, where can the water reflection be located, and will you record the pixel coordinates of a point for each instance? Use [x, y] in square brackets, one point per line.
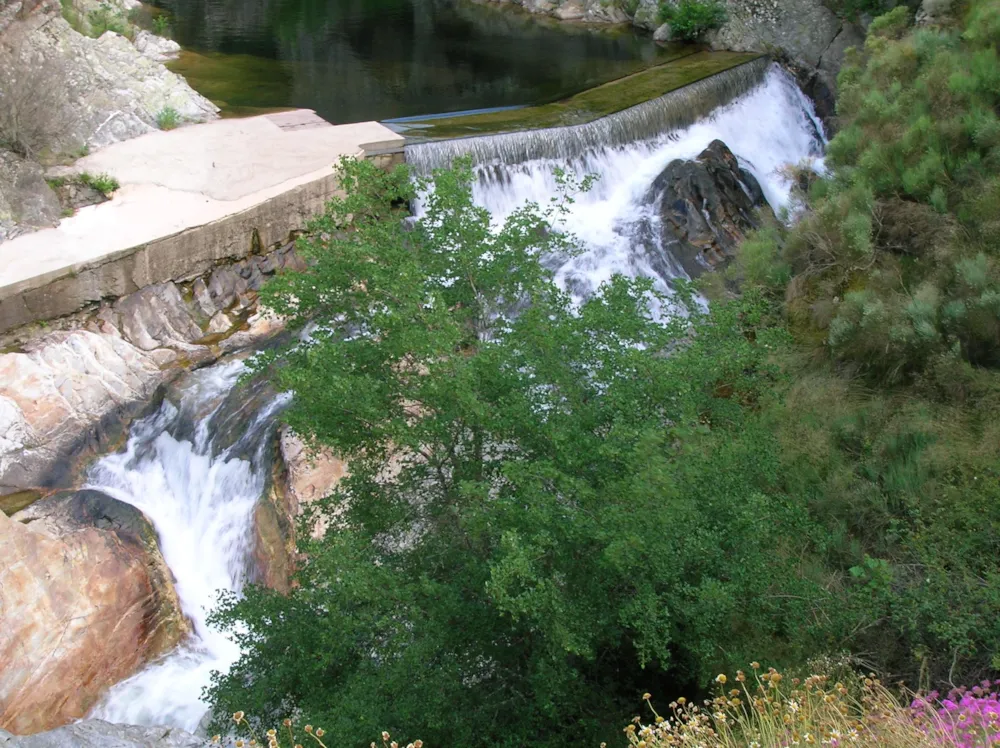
[375, 59]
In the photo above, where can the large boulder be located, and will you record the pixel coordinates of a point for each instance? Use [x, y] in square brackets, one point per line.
[706, 206]
[86, 601]
[27, 203]
[95, 733]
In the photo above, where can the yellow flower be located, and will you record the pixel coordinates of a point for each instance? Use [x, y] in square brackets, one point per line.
[755, 665]
[647, 696]
[271, 733]
[239, 744]
[238, 717]
[216, 738]
[721, 678]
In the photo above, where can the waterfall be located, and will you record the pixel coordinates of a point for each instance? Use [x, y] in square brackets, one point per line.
[200, 497]
[671, 111]
[769, 127]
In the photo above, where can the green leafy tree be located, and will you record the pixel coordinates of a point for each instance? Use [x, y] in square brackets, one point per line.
[549, 509]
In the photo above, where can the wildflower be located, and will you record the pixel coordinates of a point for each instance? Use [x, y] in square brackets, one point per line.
[216, 738]
[755, 665]
[418, 744]
[647, 696]
[721, 678]
[239, 744]
[309, 728]
[320, 732]
[271, 733]
[287, 722]
[238, 717]
[385, 735]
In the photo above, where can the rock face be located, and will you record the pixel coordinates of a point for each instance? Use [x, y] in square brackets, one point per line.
[585, 11]
[60, 396]
[806, 33]
[706, 206]
[27, 202]
[85, 599]
[299, 477]
[68, 394]
[115, 91]
[95, 733]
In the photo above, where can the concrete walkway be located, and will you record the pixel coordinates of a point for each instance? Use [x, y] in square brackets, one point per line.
[213, 185]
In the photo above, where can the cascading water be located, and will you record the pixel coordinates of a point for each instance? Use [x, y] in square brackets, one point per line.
[771, 126]
[200, 496]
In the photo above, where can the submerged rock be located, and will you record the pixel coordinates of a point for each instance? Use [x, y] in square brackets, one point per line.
[95, 733]
[86, 601]
[706, 206]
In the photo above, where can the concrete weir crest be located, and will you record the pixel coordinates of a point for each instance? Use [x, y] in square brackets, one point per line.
[189, 199]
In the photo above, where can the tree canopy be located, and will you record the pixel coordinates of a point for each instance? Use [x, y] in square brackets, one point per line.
[548, 507]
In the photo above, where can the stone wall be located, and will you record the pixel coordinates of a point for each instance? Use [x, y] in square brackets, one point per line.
[179, 257]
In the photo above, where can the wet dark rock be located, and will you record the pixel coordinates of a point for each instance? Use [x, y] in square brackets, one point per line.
[706, 207]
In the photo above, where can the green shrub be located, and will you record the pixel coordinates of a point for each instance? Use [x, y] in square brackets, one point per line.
[168, 118]
[106, 18]
[161, 26]
[690, 20]
[103, 183]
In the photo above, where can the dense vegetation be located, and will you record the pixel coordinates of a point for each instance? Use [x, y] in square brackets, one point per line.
[547, 516]
[891, 283]
[690, 20]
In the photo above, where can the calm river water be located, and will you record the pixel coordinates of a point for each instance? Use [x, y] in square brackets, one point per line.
[354, 60]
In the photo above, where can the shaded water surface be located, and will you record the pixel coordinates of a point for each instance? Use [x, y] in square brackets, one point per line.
[354, 60]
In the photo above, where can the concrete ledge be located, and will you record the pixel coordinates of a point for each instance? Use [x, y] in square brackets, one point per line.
[189, 199]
